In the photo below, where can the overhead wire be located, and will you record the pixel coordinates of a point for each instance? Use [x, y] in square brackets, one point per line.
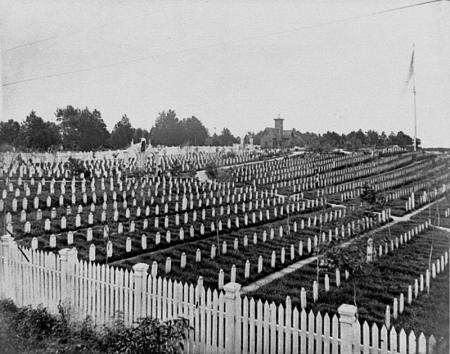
[207, 46]
[73, 33]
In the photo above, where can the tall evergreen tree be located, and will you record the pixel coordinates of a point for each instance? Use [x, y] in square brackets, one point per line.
[82, 129]
[9, 132]
[167, 130]
[122, 133]
[194, 132]
[37, 134]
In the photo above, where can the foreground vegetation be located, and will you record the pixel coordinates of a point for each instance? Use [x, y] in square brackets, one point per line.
[28, 330]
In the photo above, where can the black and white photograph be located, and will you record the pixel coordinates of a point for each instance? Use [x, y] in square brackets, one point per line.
[227, 177]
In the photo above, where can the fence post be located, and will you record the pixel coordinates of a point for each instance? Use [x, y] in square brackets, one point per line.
[140, 286]
[347, 318]
[7, 277]
[231, 308]
[64, 270]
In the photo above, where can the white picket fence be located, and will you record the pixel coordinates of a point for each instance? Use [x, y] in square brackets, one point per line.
[220, 321]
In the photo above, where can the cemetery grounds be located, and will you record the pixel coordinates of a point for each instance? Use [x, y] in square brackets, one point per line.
[265, 222]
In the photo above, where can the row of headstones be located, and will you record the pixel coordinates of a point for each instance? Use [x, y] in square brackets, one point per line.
[338, 187]
[237, 195]
[270, 165]
[132, 227]
[374, 169]
[315, 287]
[259, 198]
[221, 275]
[411, 203]
[187, 185]
[128, 244]
[172, 185]
[213, 253]
[354, 189]
[290, 208]
[392, 178]
[412, 188]
[267, 174]
[176, 217]
[220, 158]
[358, 168]
[119, 179]
[398, 181]
[402, 192]
[36, 203]
[273, 258]
[58, 170]
[145, 225]
[52, 241]
[398, 305]
[403, 238]
[395, 243]
[351, 194]
[90, 217]
[27, 167]
[337, 183]
[304, 165]
[371, 167]
[332, 177]
[109, 248]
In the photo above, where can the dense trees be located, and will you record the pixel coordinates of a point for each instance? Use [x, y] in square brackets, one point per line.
[167, 129]
[351, 141]
[82, 129]
[9, 131]
[37, 134]
[193, 131]
[171, 131]
[224, 139]
[122, 133]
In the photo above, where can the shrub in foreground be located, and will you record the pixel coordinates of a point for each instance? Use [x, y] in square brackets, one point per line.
[27, 328]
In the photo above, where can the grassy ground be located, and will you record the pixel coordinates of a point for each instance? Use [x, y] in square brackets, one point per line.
[209, 268]
[383, 280]
[436, 214]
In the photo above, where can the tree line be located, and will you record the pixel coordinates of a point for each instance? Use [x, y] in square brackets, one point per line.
[84, 130]
[352, 141]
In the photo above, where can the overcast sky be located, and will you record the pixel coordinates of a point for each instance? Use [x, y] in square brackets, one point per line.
[321, 65]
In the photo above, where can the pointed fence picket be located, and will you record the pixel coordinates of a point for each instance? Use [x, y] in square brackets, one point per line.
[219, 321]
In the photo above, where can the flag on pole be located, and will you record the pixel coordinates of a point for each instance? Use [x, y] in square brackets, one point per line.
[411, 69]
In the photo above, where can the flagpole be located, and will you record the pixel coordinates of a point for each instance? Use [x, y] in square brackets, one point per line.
[415, 107]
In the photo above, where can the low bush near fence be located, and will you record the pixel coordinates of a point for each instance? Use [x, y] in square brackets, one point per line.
[26, 329]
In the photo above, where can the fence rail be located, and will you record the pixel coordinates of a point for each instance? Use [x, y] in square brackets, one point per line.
[220, 321]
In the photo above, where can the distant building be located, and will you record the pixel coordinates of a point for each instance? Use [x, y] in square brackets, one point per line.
[277, 137]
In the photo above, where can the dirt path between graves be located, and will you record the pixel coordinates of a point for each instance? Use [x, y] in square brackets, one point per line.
[300, 264]
[446, 229]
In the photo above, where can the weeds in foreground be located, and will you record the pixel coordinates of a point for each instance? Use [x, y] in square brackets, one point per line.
[36, 330]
